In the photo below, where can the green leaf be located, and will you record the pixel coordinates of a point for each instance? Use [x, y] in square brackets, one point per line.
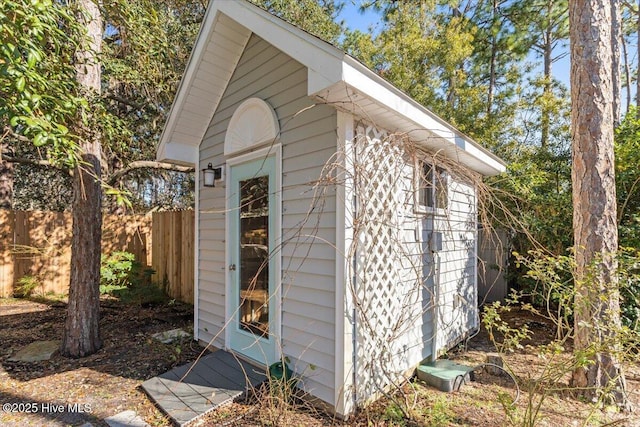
[32, 58]
[40, 139]
[20, 82]
[62, 128]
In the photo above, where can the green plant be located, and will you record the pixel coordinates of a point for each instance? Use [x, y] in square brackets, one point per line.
[629, 277]
[142, 295]
[549, 287]
[438, 414]
[554, 292]
[537, 384]
[26, 285]
[176, 352]
[282, 381]
[280, 395]
[394, 414]
[118, 271]
[505, 338]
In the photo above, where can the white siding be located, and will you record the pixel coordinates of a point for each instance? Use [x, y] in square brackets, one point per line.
[458, 291]
[308, 138]
[397, 272]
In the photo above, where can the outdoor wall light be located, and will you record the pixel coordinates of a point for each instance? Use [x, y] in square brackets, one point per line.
[210, 175]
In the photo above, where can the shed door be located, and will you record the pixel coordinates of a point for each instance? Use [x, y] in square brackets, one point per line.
[252, 267]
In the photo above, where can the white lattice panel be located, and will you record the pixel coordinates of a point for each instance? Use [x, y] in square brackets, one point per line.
[385, 301]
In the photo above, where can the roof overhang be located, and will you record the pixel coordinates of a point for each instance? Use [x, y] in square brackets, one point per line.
[333, 77]
[365, 94]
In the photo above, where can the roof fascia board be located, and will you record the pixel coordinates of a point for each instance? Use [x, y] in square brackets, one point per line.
[178, 153]
[359, 77]
[210, 17]
[481, 154]
[323, 61]
[377, 89]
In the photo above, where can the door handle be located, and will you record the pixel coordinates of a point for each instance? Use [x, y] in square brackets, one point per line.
[232, 267]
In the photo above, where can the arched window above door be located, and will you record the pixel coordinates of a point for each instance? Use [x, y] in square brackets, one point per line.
[254, 123]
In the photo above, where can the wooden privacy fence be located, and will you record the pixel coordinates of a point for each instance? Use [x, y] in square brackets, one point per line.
[493, 256]
[38, 245]
[173, 257]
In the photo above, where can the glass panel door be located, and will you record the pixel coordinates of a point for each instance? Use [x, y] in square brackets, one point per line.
[254, 255]
[252, 272]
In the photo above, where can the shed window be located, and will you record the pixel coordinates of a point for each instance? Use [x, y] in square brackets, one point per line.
[432, 186]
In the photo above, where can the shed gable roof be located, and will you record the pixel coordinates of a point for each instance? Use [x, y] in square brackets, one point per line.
[333, 77]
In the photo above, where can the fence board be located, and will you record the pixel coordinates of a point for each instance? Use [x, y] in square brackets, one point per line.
[188, 254]
[493, 254]
[38, 244]
[173, 253]
[7, 226]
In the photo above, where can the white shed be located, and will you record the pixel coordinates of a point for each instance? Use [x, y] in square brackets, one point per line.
[341, 231]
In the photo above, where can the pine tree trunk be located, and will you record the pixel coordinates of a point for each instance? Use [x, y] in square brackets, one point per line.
[6, 185]
[616, 36]
[493, 59]
[597, 310]
[81, 333]
[627, 72]
[545, 119]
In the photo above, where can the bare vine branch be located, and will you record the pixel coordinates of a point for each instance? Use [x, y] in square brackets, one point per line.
[146, 164]
[34, 162]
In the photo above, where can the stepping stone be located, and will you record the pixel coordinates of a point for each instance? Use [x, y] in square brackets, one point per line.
[168, 337]
[36, 352]
[126, 419]
[214, 380]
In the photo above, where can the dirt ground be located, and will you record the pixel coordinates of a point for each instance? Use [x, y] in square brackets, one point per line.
[105, 383]
[108, 382]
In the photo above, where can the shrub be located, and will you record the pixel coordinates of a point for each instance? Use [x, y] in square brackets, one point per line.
[26, 286]
[118, 271]
[549, 284]
[629, 275]
[554, 291]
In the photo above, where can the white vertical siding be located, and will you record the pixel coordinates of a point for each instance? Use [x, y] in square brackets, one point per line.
[308, 139]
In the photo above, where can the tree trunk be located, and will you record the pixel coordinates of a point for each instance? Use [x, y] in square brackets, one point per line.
[493, 59]
[616, 35]
[597, 310]
[6, 185]
[81, 333]
[545, 119]
[627, 72]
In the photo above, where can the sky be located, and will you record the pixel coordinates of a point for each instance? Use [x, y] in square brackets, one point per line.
[560, 69]
[358, 21]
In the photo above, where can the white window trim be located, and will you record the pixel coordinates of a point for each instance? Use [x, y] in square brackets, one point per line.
[419, 208]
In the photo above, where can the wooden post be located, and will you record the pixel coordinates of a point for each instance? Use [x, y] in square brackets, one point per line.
[7, 227]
